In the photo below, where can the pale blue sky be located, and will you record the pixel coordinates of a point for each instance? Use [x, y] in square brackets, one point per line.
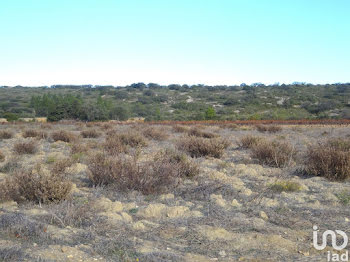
[44, 42]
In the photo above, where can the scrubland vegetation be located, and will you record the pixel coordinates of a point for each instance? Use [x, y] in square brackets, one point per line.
[177, 102]
[103, 191]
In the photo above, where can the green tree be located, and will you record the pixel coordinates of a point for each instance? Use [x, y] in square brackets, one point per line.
[210, 113]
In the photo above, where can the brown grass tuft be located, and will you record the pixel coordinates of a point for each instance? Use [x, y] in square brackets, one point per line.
[4, 134]
[159, 175]
[330, 159]
[199, 133]
[273, 153]
[63, 135]
[155, 133]
[268, 128]
[2, 156]
[90, 133]
[37, 186]
[34, 133]
[119, 143]
[198, 146]
[180, 128]
[26, 147]
[249, 141]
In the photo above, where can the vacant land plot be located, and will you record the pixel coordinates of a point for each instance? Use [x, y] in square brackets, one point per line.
[111, 192]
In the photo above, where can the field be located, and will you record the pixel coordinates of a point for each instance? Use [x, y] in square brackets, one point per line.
[75, 191]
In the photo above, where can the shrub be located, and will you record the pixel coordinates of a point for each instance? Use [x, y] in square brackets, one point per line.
[60, 166]
[158, 175]
[180, 129]
[185, 166]
[5, 134]
[119, 143]
[344, 197]
[63, 135]
[34, 133]
[330, 159]
[158, 134]
[270, 129]
[198, 146]
[199, 133]
[285, 186]
[2, 156]
[90, 134]
[273, 153]
[78, 148]
[26, 147]
[249, 141]
[37, 186]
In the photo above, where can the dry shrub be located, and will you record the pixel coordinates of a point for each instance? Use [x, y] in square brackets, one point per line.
[180, 129]
[64, 136]
[26, 147]
[34, 133]
[199, 146]
[330, 159]
[79, 148]
[2, 156]
[249, 141]
[158, 134]
[126, 173]
[119, 143]
[90, 133]
[268, 128]
[4, 134]
[36, 185]
[273, 153]
[60, 166]
[199, 133]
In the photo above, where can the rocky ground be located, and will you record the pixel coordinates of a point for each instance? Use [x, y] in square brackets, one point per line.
[229, 212]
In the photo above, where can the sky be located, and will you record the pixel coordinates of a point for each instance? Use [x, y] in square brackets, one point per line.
[214, 42]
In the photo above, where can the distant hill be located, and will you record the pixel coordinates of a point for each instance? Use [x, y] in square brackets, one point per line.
[177, 102]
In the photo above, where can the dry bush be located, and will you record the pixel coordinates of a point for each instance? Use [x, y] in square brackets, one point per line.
[199, 133]
[249, 141]
[156, 176]
[2, 156]
[199, 146]
[273, 153]
[64, 136]
[79, 148]
[330, 159]
[268, 128]
[119, 143]
[90, 133]
[36, 185]
[34, 133]
[60, 165]
[158, 134]
[4, 134]
[180, 129]
[26, 147]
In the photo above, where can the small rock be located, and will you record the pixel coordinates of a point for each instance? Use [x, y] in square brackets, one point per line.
[263, 215]
[235, 203]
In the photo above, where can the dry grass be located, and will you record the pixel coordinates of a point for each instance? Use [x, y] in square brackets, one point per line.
[268, 128]
[180, 128]
[273, 153]
[26, 147]
[249, 141]
[155, 133]
[90, 133]
[195, 131]
[199, 146]
[285, 186]
[127, 173]
[2, 156]
[37, 186]
[119, 143]
[64, 136]
[330, 159]
[4, 134]
[59, 166]
[34, 133]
